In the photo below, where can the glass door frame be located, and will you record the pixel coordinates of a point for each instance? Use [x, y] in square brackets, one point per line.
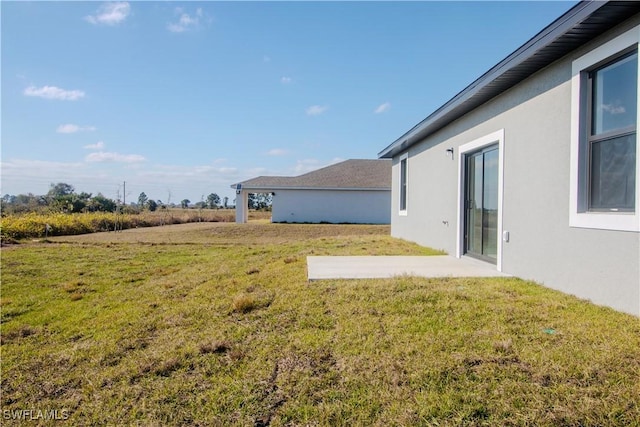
[492, 139]
[471, 233]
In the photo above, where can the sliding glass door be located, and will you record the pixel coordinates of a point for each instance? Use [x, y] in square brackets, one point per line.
[481, 204]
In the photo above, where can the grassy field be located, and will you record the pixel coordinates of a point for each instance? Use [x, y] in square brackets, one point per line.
[215, 324]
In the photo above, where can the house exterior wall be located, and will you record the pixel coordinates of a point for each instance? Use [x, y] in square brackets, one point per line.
[333, 206]
[535, 117]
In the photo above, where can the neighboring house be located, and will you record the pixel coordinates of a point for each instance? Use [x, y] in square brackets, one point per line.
[533, 167]
[353, 191]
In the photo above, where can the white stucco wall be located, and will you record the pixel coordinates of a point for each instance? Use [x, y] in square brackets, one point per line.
[599, 265]
[333, 206]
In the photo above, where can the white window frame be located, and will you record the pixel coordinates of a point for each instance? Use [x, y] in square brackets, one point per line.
[495, 138]
[579, 215]
[403, 212]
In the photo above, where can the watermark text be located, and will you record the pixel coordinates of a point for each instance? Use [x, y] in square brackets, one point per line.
[36, 414]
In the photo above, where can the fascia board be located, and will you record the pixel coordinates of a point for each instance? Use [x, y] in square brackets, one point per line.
[448, 113]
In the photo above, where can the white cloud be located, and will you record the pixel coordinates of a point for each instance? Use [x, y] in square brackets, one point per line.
[316, 110]
[614, 109]
[186, 21]
[285, 80]
[34, 176]
[309, 165]
[24, 166]
[53, 92]
[102, 156]
[97, 146]
[111, 13]
[277, 152]
[21, 176]
[306, 165]
[71, 128]
[382, 108]
[198, 171]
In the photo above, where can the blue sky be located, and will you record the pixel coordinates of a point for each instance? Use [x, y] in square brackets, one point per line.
[182, 99]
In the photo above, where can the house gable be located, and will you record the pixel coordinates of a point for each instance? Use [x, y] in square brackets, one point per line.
[352, 191]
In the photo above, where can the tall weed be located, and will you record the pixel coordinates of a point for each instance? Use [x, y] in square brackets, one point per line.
[37, 225]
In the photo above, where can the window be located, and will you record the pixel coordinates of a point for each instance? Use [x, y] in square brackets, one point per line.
[403, 184]
[604, 175]
[612, 90]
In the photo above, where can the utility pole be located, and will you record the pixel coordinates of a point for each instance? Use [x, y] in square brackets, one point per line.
[124, 193]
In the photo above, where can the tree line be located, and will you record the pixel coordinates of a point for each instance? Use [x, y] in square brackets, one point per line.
[62, 197]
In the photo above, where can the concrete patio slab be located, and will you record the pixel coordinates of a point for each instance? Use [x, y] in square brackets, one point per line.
[379, 267]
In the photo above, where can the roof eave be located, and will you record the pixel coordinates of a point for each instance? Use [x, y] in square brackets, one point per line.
[267, 189]
[471, 97]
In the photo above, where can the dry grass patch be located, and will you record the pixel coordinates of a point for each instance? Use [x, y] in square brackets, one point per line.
[244, 303]
[215, 347]
[23, 331]
[252, 299]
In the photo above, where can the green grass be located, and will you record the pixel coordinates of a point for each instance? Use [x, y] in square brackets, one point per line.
[215, 324]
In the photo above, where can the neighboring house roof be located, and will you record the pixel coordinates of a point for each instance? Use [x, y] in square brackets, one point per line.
[353, 174]
[580, 24]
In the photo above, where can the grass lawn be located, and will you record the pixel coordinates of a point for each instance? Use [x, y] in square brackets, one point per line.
[215, 324]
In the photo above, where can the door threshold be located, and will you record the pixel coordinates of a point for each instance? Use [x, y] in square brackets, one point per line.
[481, 258]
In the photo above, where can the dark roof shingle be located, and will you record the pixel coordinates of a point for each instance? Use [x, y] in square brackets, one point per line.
[350, 174]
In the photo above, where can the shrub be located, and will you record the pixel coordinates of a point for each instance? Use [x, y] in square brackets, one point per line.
[33, 225]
